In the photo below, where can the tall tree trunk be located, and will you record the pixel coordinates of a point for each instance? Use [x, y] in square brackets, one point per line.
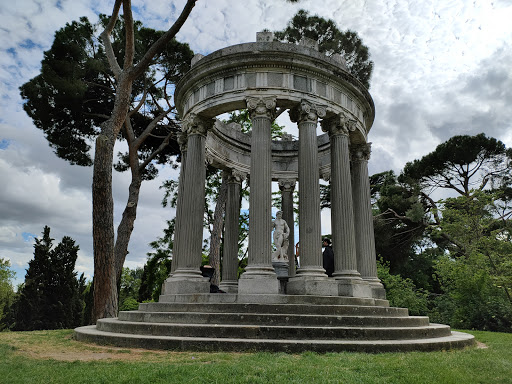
[218, 225]
[105, 289]
[105, 274]
[105, 283]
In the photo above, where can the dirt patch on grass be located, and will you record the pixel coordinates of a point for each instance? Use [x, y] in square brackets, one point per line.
[480, 345]
[60, 345]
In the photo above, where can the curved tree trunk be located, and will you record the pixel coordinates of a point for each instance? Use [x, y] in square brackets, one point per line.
[105, 274]
[218, 225]
[125, 228]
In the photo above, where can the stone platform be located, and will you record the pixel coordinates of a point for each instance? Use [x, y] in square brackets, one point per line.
[280, 323]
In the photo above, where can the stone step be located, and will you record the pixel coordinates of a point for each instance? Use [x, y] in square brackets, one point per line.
[272, 319]
[271, 299]
[257, 331]
[213, 344]
[345, 310]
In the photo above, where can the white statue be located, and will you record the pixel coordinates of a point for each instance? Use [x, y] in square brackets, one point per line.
[281, 233]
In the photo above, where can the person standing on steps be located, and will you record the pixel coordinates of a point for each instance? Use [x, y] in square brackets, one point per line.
[328, 257]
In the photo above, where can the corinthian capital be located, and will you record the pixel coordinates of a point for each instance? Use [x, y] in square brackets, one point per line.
[182, 139]
[235, 176]
[307, 112]
[360, 152]
[340, 124]
[193, 124]
[261, 107]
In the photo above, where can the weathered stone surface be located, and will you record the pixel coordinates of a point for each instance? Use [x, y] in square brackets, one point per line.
[292, 326]
[221, 81]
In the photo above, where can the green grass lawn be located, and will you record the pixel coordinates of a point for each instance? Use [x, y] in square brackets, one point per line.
[53, 357]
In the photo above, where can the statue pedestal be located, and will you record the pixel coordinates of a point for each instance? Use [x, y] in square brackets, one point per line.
[281, 268]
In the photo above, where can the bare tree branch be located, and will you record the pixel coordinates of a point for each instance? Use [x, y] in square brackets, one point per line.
[105, 38]
[130, 34]
[162, 41]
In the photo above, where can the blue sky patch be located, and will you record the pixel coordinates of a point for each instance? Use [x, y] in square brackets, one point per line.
[29, 44]
[27, 236]
[4, 143]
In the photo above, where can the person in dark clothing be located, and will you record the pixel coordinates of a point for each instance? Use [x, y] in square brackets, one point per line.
[328, 257]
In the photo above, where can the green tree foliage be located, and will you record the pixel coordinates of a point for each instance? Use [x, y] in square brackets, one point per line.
[75, 91]
[50, 297]
[399, 227]
[129, 290]
[402, 292]
[83, 94]
[463, 242]
[475, 272]
[461, 164]
[159, 262]
[6, 290]
[331, 41]
[472, 300]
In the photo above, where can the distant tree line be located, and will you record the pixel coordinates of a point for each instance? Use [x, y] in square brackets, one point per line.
[443, 232]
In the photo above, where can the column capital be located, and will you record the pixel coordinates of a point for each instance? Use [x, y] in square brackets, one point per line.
[182, 139]
[287, 185]
[326, 175]
[208, 158]
[235, 176]
[360, 152]
[341, 124]
[193, 124]
[261, 106]
[307, 112]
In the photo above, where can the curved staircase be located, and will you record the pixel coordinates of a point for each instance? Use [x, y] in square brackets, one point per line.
[285, 323]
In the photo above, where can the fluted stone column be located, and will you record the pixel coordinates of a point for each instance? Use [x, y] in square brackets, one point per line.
[310, 277]
[259, 276]
[229, 281]
[182, 141]
[365, 240]
[187, 276]
[287, 187]
[342, 213]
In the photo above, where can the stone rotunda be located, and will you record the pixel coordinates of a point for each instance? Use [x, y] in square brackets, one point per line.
[307, 310]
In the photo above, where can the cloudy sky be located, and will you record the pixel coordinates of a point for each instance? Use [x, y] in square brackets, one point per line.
[442, 68]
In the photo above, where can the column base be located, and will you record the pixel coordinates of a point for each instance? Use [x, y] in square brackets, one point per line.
[311, 272]
[181, 282]
[229, 286]
[305, 285]
[353, 287]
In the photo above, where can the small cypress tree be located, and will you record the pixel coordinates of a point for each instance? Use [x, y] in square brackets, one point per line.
[50, 297]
